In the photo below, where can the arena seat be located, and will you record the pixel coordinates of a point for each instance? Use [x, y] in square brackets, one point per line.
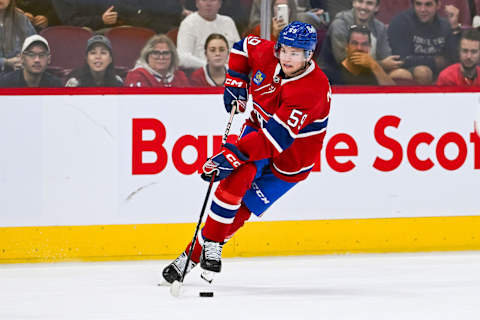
[127, 42]
[172, 34]
[389, 9]
[67, 46]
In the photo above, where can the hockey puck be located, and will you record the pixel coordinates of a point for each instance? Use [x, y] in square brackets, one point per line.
[208, 294]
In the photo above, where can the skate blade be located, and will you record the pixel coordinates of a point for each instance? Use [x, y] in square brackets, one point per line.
[208, 276]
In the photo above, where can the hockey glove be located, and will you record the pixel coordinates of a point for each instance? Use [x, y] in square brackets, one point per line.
[223, 163]
[236, 91]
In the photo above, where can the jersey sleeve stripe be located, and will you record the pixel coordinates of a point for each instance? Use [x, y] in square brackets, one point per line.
[272, 141]
[322, 120]
[244, 45]
[285, 126]
[234, 51]
[279, 132]
[312, 133]
[316, 127]
[240, 47]
[302, 170]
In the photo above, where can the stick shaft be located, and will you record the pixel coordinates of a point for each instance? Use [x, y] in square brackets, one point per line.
[207, 196]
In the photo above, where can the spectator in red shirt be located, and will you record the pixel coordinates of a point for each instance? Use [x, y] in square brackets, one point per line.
[213, 73]
[157, 66]
[464, 73]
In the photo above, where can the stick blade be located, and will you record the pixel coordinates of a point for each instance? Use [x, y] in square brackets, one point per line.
[176, 288]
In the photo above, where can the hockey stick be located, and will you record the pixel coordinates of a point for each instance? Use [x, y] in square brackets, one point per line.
[177, 284]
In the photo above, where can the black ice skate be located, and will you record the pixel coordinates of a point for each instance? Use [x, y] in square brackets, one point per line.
[174, 270]
[211, 258]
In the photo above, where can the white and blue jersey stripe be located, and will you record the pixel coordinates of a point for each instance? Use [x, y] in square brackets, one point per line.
[294, 173]
[316, 127]
[281, 135]
[240, 47]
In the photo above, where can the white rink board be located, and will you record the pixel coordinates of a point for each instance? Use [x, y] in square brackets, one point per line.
[67, 160]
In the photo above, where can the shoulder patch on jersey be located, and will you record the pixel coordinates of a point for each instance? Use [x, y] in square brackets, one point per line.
[258, 77]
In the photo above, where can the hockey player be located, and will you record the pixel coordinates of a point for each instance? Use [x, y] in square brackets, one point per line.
[279, 143]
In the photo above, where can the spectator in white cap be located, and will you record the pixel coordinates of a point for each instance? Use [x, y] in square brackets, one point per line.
[99, 69]
[35, 58]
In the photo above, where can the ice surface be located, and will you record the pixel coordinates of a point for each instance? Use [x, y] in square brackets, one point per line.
[381, 286]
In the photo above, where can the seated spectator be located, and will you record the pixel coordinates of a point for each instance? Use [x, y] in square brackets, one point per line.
[99, 70]
[359, 67]
[466, 72]
[35, 58]
[40, 12]
[157, 66]
[423, 40]
[213, 73]
[93, 14]
[362, 14]
[195, 29]
[277, 25]
[14, 28]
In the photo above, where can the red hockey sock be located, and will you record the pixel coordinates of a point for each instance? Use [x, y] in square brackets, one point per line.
[226, 202]
[243, 214]
[197, 250]
[215, 230]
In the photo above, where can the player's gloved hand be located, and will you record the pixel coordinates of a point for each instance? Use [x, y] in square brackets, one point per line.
[236, 91]
[223, 163]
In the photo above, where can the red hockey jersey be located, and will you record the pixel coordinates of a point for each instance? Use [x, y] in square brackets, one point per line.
[290, 114]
